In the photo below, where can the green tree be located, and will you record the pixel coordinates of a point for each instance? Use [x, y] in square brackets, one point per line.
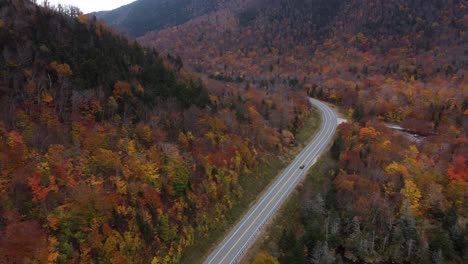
[180, 178]
[407, 224]
[291, 250]
[358, 112]
[337, 148]
[442, 242]
[145, 229]
[165, 232]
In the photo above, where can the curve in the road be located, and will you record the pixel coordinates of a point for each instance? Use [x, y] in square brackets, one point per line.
[245, 232]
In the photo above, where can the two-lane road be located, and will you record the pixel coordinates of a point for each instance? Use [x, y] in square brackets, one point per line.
[245, 232]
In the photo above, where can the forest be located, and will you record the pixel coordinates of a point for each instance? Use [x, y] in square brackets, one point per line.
[389, 196]
[114, 150]
[115, 153]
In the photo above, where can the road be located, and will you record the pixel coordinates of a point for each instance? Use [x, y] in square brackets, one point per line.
[245, 232]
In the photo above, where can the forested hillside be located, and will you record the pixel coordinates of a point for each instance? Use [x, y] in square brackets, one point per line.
[112, 153]
[276, 40]
[389, 196]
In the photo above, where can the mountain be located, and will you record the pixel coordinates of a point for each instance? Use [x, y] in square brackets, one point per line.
[387, 196]
[112, 153]
[297, 27]
[142, 16]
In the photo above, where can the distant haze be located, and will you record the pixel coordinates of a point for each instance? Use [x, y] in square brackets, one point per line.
[88, 6]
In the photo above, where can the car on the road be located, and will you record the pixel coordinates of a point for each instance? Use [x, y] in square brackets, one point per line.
[302, 167]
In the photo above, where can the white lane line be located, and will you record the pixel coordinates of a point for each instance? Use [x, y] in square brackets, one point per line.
[320, 138]
[282, 178]
[281, 200]
[321, 146]
[291, 181]
[292, 185]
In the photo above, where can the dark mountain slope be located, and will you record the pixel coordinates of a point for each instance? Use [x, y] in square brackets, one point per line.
[142, 16]
[97, 58]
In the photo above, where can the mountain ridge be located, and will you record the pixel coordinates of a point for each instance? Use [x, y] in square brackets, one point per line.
[142, 16]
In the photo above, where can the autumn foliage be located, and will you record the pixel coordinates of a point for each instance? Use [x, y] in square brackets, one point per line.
[112, 153]
[396, 195]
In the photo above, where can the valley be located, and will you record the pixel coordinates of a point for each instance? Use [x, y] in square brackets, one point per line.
[143, 134]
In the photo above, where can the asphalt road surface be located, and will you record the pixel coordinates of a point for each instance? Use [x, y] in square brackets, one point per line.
[245, 232]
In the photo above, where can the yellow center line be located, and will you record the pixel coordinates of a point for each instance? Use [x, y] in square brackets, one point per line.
[262, 199]
[276, 194]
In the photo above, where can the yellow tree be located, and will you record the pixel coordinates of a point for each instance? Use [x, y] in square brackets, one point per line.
[62, 70]
[265, 258]
[412, 194]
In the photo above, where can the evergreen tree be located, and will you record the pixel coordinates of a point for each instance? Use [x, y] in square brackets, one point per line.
[407, 225]
[358, 113]
[337, 148]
